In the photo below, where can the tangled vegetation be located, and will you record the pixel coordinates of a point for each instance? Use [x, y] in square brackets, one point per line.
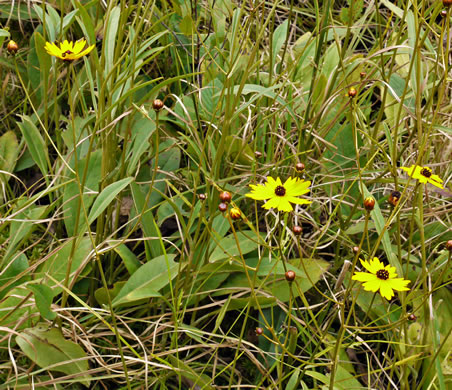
[224, 194]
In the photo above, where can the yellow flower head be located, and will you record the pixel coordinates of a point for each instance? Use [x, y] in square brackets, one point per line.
[280, 196]
[424, 175]
[68, 51]
[381, 277]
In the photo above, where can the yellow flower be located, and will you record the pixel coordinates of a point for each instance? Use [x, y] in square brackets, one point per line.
[68, 51]
[381, 277]
[280, 196]
[424, 175]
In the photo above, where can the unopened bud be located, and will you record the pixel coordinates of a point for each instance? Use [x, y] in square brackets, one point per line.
[157, 105]
[12, 47]
[369, 203]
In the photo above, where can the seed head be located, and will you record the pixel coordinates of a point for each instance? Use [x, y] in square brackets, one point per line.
[157, 105]
[297, 230]
[225, 196]
[449, 245]
[222, 207]
[299, 167]
[290, 276]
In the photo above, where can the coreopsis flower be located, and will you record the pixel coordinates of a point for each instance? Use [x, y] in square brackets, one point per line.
[280, 196]
[424, 175]
[380, 277]
[68, 51]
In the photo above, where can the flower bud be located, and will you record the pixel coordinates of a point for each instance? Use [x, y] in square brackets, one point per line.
[355, 250]
[259, 331]
[225, 196]
[449, 245]
[394, 197]
[352, 92]
[443, 13]
[290, 276]
[299, 167]
[157, 105]
[447, 3]
[202, 196]
[257, 154]
[412, 317]
[369, 203]
[235, 213]
[363, 75]
[12, 47]
[297, 230]
[222, 207]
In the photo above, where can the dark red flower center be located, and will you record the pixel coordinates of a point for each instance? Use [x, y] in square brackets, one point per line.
[426, 172]
[382, 274]
[280, 191]
[67, 52]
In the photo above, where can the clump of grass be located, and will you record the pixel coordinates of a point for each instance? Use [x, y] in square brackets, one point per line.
[135, 248]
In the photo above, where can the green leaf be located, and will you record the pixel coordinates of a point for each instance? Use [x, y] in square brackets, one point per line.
[43, 298]
[72, 191]
[106, 197]
[111, 29]
[9, 275]
[50, 350]
[101, 293]
[147, 221]
[9, 150]
[230, 246]
[17, 310]
[148, 280]
[279, 37]
[35, 143]
[22, 226]
[130, 260]
[56, 265]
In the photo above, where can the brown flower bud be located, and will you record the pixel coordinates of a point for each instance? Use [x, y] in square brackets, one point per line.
[290, 276]
[225, 196]
[443, 13]
[363, 75]
[412, 317]
[259, 331]
[235, 213]
[157, 105]
[12, 47]
[297, 230]
[394, 197]
[355, 249]
[447, 3]
[352, 92]
[257, 154]
[369, 203]
[449, 245]
[299, 167]
[222, 207]
[202, 196]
